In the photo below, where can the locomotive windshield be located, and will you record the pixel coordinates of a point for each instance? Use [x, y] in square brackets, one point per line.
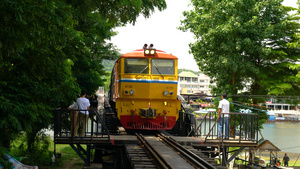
[161, 66]
[140, 66]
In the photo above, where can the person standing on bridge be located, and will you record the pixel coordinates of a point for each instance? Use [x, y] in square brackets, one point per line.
[83, 105]
[73, 116]
[223, 116]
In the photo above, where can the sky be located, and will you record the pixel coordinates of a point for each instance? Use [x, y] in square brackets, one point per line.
[161, 30]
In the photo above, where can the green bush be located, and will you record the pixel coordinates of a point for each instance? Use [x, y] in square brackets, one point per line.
[40, 154]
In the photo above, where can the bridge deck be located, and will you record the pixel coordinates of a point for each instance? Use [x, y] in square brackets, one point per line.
[82, 140]
[131, 139]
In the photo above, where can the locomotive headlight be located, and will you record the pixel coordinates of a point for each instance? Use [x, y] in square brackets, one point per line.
[152, 52]
[171, 93]
[147, 51]
[165, 92]
[131, 92]
[126, 91]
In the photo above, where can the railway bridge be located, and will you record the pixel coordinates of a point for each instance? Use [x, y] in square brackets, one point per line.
[188, 145]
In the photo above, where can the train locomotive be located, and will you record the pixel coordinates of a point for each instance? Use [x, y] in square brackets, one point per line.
[143, 89]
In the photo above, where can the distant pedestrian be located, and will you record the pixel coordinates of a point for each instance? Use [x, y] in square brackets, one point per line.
[93, 101]
[223, 116]
[286, 160]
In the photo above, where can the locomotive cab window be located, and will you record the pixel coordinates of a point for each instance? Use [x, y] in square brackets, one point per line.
[140, 66]
[162, 66]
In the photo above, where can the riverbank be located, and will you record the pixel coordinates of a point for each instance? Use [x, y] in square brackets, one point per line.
[293, 163]
[284, 135]
[294, 157]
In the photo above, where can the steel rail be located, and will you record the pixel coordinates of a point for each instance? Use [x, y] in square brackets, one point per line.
[157, 158]
[191, 157]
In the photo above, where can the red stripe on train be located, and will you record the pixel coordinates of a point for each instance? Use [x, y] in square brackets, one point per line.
[159, 123]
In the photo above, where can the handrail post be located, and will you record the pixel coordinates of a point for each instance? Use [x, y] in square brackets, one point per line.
[209, 122]
[251, 128]
[240, 129]
[234, 126]
[257, 127]
[223, 126]
[205, 125]
[92, 124]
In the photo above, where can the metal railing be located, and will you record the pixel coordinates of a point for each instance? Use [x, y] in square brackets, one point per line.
[186, 118]
[70, 123]
[242, 127]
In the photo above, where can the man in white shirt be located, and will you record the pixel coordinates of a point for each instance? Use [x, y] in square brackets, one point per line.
[83, 106]
[223, 116]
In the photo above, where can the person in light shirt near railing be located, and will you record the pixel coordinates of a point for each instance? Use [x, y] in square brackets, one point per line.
[83, 105]
[73, 116]
[223, 116]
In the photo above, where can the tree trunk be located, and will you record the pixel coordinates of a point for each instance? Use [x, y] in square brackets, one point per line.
[255, 91]
[31, 135]
[5, 140]
[234, 90]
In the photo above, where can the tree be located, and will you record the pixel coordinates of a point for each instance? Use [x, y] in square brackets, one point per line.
[51, 49]
[35, 72]
[242, 42]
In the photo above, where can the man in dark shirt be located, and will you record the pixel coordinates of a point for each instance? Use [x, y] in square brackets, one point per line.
[286, 160]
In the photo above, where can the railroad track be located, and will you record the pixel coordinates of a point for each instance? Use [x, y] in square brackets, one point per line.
[188, 155]
[158, 160]
[166, 153]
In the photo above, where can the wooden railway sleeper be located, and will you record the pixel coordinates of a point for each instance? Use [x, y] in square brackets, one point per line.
[157, 158]
[138, 157]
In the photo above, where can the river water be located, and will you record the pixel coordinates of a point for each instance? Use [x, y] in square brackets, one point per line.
[284, 135]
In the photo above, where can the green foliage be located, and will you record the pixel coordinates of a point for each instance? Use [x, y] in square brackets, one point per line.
[108, 65]
[107, 83]
[40, 156]
[34, 74]
[195, 72]
[68, 156]
[49, 51]
[242, 42]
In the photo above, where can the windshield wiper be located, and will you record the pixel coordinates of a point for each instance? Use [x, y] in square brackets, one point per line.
[158, 70]
[144, 69]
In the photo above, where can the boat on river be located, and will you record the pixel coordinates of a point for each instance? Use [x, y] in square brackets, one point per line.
[200, 114]
[283, 115]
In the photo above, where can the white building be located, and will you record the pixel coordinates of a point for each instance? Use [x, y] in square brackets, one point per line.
[189, 83]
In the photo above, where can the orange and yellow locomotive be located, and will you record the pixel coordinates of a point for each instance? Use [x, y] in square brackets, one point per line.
[143, 90]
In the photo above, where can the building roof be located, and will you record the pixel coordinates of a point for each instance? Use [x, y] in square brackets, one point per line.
[187, 74]
[266, 145]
